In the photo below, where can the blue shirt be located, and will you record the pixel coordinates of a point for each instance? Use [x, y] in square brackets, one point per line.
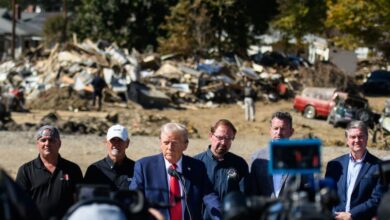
[354, 167]
[218, 171]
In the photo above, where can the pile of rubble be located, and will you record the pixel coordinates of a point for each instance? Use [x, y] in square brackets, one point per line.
[151, 80]
[60, 79]
[146, 125]
[327, 75]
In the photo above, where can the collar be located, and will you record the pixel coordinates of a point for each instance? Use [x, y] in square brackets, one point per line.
[178, 164]
[351, 159]
[39, 164]
[112, 164]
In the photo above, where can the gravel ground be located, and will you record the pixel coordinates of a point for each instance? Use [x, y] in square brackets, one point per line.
[17, 148]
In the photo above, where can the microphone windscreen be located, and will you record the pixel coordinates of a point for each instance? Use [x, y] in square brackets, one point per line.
[171, 172]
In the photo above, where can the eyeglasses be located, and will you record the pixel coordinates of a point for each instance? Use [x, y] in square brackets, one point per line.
[222, 138]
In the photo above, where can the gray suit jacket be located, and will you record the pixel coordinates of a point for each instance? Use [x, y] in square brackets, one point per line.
[261, 183]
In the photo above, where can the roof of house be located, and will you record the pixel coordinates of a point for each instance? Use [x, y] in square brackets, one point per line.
[29, 24]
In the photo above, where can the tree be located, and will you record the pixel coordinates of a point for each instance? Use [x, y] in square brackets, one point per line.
[52, 29]
[188, 29]
[57, 5]
[358, 22]
[8, 3]
[231, 23]
[129, 23]
[298, 18]
[229, 26]
[5, 4]
[260, 14]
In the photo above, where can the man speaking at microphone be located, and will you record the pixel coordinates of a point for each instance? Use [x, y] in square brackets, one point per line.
[176, 180]
[225, 170]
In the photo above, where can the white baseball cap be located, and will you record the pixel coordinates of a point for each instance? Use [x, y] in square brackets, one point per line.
[117, 131]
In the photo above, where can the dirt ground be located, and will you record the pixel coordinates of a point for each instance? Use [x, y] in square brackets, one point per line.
[17, 148]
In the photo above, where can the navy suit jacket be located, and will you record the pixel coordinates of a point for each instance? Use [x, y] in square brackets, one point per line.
[150, 176]
[367, 191]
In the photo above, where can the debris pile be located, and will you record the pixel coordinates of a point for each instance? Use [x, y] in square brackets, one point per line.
[59, 98]
[331, 76]
[60, 79]
[150, 80]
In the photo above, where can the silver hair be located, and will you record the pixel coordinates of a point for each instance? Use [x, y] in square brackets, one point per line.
[357, 124]
[47, 130]
[176, 128]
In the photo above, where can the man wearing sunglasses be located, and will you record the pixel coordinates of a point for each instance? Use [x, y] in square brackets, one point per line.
[225, 170]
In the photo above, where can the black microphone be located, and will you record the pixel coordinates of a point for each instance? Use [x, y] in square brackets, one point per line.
[174, 173]
[179, 176]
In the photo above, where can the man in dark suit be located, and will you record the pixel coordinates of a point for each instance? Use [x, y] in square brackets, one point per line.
[358, 186]
[260, 182]
[155, 177]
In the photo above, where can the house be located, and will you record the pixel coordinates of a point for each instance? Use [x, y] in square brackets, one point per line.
[28, 31]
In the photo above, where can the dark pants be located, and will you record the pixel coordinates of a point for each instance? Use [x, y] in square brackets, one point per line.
[99, 97]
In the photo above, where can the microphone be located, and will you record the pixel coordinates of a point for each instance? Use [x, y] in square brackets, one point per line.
[173, 172]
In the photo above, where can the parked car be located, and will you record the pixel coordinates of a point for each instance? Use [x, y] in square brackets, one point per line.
[350, 108]
[315, 102]
[378, 83]
[381, 133]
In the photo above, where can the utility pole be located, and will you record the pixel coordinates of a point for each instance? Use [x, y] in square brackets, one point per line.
[13, 29]
[63, 38]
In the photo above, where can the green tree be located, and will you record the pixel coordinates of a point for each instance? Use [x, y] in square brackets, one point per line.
[260, 14]
[229, 26]
[231, 21]
[129, 23]
[5, 4]
[52, 29]
[355, 23]
[8, 3]
[56, 5]
[298, 18]
[188, 29]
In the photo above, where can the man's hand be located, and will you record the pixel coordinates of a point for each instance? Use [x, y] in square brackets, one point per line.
[343, 216]
[156, 214]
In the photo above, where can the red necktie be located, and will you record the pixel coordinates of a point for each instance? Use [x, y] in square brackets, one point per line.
[174, 194]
